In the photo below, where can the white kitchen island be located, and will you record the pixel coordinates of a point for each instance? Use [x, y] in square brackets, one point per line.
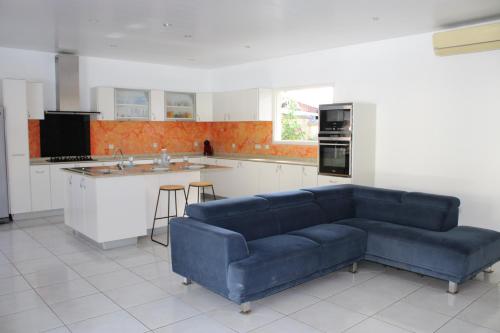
[113, 207]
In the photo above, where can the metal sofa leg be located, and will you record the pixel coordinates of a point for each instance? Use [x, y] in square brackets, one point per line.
[452, 287]
[186, 281]
[354, 267]
[245, 308]
[488, 269]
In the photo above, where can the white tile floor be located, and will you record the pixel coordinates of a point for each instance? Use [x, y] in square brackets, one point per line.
[51, 281]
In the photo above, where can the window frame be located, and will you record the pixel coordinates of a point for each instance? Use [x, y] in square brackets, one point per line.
[276, 92]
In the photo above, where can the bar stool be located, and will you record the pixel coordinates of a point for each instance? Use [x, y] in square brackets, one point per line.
[199, 185]
[168, 189]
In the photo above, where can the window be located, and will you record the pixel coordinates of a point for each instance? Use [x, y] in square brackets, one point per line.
[296, 113]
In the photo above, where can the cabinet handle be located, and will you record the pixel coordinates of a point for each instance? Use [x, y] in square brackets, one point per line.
[18, 155]
[70, 180]
[39, 172]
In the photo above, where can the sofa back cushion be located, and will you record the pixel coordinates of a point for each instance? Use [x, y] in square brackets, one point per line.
[429, 211]
[249, 216]
[420, 210]
[295, 210]
[336, 201]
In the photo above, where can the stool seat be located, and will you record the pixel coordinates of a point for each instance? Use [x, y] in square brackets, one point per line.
[200, 184]
[171, 187]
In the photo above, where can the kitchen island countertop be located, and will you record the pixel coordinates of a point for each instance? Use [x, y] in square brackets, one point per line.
[140, 170]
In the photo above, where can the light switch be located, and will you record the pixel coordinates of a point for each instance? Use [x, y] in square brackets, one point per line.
[155, 145]
[266, 146]
[111, 146]
[233, 145]
[196, 144]
[258, 146]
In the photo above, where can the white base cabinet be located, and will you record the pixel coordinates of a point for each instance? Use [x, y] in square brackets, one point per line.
[109, 209]
[40, 188]
[250, 178]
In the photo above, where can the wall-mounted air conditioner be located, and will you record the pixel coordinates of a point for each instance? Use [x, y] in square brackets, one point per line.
[466, 40]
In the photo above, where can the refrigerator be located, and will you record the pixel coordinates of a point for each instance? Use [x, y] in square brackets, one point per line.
[4, 199]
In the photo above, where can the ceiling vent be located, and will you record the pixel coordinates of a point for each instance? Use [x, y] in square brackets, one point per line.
[467, 40]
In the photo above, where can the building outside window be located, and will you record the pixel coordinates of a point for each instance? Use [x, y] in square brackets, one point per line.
[296, 117]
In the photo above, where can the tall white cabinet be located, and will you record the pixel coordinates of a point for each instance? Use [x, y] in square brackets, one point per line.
[15, 102]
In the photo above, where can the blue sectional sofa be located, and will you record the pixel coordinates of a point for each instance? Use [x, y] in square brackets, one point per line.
[250, 247]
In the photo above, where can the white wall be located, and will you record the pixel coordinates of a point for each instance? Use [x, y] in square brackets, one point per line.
[437, 123]
[39, 66]
[438, 118]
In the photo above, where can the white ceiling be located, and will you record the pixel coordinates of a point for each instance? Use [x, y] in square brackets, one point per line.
[214, 33]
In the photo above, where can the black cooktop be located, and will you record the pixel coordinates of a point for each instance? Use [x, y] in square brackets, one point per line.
[60, 159]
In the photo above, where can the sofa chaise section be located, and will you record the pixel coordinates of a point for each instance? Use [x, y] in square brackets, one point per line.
[413, 231]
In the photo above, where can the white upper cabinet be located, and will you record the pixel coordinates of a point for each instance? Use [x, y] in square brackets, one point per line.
[204, 107]
[34, 94]
[132, 104]
[16, 136]
[180, 106]
[103, 101]
[157, 100]
[243, 105]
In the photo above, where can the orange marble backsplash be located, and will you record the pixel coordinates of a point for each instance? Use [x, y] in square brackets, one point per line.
[34, 137]
[138, 138]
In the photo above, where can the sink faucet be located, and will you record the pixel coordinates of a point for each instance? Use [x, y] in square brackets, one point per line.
[122, 161]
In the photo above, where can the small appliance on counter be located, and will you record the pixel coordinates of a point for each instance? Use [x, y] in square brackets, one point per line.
[207, 148]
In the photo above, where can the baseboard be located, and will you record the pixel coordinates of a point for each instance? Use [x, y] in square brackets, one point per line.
[35, 215]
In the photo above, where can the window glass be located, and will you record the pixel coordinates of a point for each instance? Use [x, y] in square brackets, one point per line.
[297, 115]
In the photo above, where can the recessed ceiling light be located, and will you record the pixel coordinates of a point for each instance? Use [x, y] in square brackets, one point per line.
[115, 35]
[113, 45]
[166, 25]
[247, 46]
[191, 59]
[93, 20]
[188, 36]
[135, 26]
[375, 18]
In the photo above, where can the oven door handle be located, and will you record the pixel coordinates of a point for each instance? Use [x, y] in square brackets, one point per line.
[335, 144]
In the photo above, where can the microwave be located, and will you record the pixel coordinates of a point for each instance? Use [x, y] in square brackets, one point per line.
[335, 118]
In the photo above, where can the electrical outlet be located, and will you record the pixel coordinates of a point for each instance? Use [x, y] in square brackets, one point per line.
[196, 144]
[233, 145]
[266, 146]
[111, 146]
[258, 146]
[155, 145]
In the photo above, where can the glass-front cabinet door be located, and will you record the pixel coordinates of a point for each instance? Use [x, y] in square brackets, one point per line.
[132, 104]
[180, 106]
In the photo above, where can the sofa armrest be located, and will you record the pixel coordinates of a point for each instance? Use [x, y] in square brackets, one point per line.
[203, 252]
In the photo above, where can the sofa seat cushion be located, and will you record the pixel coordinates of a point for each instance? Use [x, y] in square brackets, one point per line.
[272, 261]
[340, 244]
[454, 255]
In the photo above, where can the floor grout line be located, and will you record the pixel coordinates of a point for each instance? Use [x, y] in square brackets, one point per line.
[145, 247]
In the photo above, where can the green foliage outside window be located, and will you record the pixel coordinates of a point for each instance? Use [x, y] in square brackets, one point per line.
[291, 128]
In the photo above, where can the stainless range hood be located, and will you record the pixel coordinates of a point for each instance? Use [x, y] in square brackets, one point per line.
[68, 86]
